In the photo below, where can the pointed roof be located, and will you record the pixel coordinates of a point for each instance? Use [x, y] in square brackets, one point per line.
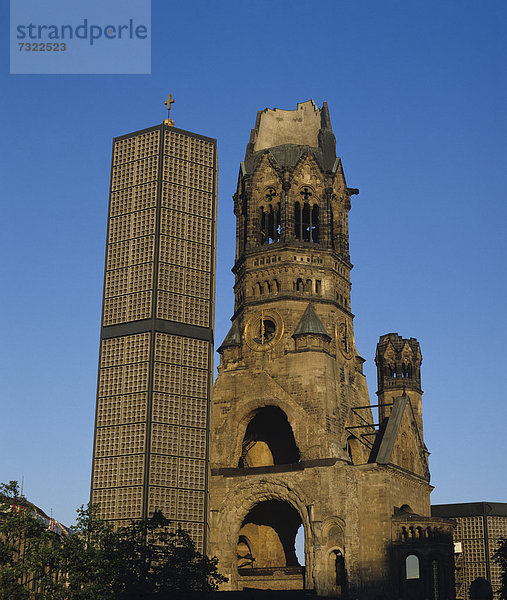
[391, 431]
[310, 324]
[383, 447]
[233, 338]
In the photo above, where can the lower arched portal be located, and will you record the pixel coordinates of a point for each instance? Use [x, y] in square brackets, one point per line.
[266, 547]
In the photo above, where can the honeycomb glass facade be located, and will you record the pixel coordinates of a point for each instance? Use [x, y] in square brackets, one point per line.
[480, 525]
[155, 361]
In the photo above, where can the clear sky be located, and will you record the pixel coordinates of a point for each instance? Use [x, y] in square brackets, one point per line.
[417, 97]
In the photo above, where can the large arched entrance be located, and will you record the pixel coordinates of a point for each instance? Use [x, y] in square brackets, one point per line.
[266, 545]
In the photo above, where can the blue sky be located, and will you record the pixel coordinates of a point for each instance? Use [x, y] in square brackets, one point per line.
[417, 96]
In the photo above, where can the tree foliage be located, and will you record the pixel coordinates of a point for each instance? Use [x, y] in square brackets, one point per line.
[27, 549]
[145, 559]
[500, 557]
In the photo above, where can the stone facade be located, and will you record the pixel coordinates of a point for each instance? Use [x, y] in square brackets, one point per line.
[293, 437]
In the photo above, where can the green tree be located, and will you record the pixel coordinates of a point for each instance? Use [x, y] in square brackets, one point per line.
[500, 557]
[142, 560]
[160, 561]
[28, 550]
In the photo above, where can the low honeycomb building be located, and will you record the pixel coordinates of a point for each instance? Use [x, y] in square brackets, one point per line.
[480, 525]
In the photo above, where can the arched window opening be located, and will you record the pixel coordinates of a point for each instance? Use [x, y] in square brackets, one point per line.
[339, 572]
[306, 218]
[315, 224]
[260, 289]
[306, 223]
[412, 567]
[270, 219]
[269, 440]
[308, 286]
[264, 226]
[268, 287]
[299, 285]
[270, 529]
[276, 286]
[271, 224]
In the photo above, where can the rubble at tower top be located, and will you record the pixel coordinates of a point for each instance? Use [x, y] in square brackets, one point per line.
[287, 134]
[275, 127]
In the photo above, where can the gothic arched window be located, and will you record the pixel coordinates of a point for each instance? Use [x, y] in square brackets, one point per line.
[263, 225]
[306, 217]
[306, 223]
[270, 219]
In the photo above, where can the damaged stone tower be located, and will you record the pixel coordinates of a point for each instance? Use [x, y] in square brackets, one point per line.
[293, 440]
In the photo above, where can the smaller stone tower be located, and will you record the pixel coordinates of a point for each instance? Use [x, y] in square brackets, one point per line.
[398, 363]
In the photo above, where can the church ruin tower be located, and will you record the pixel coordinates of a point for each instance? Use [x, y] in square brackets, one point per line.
[293, 440]
[399, 372]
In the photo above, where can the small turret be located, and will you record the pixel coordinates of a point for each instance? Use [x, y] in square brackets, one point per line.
[398, 363]
[310, 333]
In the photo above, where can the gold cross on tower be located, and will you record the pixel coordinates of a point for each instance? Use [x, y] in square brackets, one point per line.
[168, 102]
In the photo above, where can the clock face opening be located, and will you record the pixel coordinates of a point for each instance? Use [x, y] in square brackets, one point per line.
[265, 331]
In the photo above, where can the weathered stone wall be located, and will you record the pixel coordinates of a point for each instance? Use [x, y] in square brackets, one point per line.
[290, 357]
